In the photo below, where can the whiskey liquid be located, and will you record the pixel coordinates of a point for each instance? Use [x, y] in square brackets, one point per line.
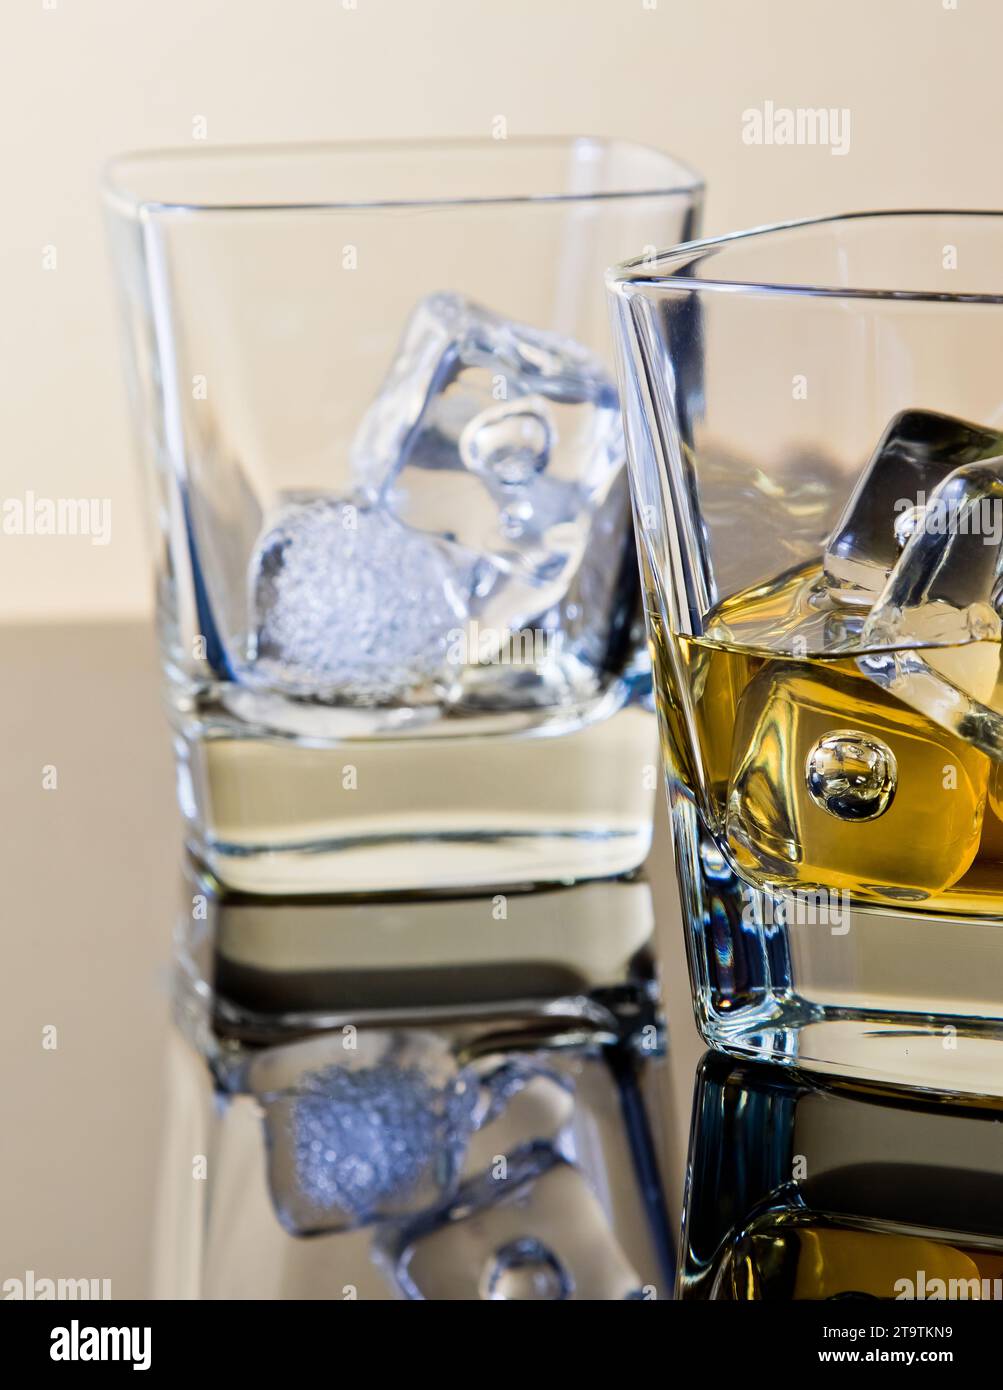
[742, 711]
[795, 1255]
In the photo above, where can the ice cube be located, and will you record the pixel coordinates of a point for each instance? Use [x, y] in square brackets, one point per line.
[862, 807]
[357, 1135]
[915, 454]
[936, 627]
[535, 1231]
[498, 438]
[348, 603]
[601, 608]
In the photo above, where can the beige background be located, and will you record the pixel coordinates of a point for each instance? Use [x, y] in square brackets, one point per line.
[82, 79]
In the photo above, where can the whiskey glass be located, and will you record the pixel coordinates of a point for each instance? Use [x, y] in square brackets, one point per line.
[397, 597]
[814, 418]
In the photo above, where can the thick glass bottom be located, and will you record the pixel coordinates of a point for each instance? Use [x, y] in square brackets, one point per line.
[949, 1056]
[274, 814]
[907, 997]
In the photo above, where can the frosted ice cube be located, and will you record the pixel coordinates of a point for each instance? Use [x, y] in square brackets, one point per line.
[499, 438]
[915, 454]
[359, 1135]
[936, 626]
[348, 603]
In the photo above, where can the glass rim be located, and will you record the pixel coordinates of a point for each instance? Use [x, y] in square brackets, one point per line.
[654, 272]
[115, 181]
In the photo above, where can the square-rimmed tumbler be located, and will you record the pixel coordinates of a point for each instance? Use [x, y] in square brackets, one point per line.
[814, 416]
[397, 596]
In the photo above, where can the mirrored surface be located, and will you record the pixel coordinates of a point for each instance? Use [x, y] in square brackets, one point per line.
[458, 1098]
[804, 1189]
[94, 1073]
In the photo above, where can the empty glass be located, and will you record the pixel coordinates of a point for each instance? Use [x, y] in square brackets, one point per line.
[815, 429]
[397, 593]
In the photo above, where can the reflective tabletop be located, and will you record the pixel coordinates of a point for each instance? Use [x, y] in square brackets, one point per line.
[125, 1009]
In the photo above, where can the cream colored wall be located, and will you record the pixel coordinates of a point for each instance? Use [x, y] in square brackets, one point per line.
[85, 78]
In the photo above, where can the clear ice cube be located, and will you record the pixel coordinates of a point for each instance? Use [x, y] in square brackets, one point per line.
[497, 438]
[535, 1231]
[936, 627]
[914, 455]
[349, 603]
[788, 828]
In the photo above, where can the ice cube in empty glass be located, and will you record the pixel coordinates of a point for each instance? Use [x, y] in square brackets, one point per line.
[398, 594]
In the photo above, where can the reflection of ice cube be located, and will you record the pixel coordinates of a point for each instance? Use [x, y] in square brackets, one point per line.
[524, 1101]
[360, 1134]
[525, 1270]
[939, 611]
[499, 438]
[348, 603]
[915, 454]
[601, 605]
[535, 1231]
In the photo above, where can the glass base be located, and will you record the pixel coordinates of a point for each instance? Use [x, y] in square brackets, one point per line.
[906, 997]
[949, 1057]
[282, 815]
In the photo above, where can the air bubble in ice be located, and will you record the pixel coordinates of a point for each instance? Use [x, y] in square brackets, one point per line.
[526, 1269]
[851, 775]
[510, 443]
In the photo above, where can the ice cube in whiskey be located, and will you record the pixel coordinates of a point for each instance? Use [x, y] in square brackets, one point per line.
[793, 1256]
[933, 635]
[836, 784]
[914, 455]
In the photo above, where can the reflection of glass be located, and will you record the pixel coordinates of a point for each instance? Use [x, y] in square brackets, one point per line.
[476, 1126]
[815, 431]
[398, 603]
[802, 1190]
